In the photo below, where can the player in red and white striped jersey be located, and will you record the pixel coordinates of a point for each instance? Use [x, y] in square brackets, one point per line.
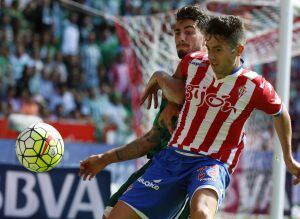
[215, 110]
[219, 97]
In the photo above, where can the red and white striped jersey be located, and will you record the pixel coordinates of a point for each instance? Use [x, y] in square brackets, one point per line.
[214, 113]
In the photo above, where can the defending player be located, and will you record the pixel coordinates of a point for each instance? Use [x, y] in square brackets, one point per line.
[204, 149]
[188, 29]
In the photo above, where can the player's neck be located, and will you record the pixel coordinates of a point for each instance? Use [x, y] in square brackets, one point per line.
[230, 70]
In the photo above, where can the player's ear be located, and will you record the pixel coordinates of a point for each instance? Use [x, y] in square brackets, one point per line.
[240, 49]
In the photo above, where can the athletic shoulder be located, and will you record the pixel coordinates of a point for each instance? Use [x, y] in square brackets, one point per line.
[265, 97]
[254, 77]
[195, 58]
[195, 55]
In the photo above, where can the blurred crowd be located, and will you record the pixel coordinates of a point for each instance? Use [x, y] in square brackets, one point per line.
[269, 71]
[294, 107]
[60, 64]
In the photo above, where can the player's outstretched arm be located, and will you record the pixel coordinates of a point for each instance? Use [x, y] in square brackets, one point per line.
[283, 128]
[173, 87]
[135, 149]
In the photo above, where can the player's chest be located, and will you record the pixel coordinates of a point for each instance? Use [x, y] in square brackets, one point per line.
[227, 95]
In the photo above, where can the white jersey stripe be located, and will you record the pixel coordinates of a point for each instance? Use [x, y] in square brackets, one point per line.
[192, 111]
[192, 71]
[213, 108]
[211, 115]
[232, 155]
[251, 75]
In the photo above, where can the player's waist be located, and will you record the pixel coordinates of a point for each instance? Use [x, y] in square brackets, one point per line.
[186, 153]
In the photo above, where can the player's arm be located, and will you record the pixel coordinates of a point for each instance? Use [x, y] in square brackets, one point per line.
[169, 116]
[139, 147]
[135, 149]
[173, 87]
[267, 100]
[282, 124]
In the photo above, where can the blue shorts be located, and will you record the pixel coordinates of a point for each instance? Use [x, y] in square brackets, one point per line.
[170, 180]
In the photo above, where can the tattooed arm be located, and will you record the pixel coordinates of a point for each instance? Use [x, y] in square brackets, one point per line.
[135, 149]
[138, 147]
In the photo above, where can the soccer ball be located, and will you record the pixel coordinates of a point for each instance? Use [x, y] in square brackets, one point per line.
[39, 147]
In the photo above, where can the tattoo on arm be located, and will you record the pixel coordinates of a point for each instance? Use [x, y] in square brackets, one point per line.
[140, 146]
[154, 135]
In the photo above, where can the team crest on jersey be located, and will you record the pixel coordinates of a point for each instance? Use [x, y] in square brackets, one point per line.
[213, 172]
[201, 169]
[242, 91]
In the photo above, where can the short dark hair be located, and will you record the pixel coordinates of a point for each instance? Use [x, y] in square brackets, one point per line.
[230, 28]
[194, 13]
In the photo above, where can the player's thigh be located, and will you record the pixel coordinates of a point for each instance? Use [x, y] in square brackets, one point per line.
[161, 191]
[207, 185]
[115, 197]
[122, 211]
[204, 204]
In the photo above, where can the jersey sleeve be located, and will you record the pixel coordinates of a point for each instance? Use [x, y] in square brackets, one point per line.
[184, 63]
[267, 99]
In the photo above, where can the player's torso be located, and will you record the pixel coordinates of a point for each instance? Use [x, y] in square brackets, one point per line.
[213, 108]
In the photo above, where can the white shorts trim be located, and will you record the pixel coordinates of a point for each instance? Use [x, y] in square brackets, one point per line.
[139, 213]
[181, 210]
[189, 154]
[207, 187]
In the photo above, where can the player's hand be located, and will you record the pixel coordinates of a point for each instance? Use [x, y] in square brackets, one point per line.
[150, 92]
[89, 167]
[167, 116]
[294, 168]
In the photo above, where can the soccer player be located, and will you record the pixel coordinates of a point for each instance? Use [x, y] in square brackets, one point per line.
[188, 30]
[204, 149]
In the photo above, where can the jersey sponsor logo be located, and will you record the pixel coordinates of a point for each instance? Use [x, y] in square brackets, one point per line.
[206, 177]
[149, 184]
[210, 99]
[198, 63]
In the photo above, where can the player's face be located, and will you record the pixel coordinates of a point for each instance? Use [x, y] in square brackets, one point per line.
[188, 37]
[223, 57]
